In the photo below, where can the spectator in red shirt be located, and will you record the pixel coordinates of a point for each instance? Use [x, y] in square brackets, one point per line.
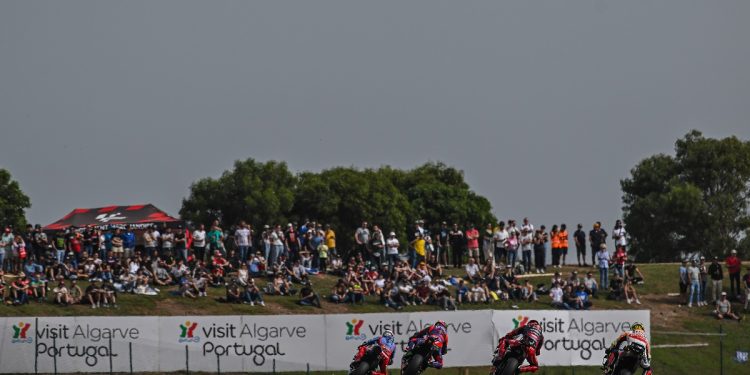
[472, 241]
[734, 267]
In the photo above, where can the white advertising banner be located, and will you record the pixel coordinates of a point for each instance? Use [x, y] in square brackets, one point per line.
[576, 338]
[254, 343]
[469, 335]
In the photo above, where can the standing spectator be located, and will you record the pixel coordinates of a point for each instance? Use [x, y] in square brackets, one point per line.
[58, 245]
[215, 238]
[6, 247]
[746, 281]
[704, 280]
[597, 237]
[418, 244]
[378, 246]
[528, 226]
[199, 243]
[362, 239]
[527, 245]
[620, 259]
[580, 239]
[724, 309]
[330, 237]
[167, 243]
[512, 247]
[563, 242]
[117, 244]
[149, 242]
[242, 240]
[472, 241]
[717, 278]
[602, 257]
[694, 276]
[684, 279]
[501, 241]
[291, 241]
[457, 242]
[620, 235]
[540, 250]
[128, 242]
[487, 247]
[180, 244]
[734, 267]
[392, 250]
[443, 244]
[554, 236]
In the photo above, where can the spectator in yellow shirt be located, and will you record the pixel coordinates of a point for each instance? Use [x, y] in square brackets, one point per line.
[418, 245]
[330, 240]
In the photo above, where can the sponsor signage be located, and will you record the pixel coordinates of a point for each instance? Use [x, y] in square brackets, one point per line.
[288, 342]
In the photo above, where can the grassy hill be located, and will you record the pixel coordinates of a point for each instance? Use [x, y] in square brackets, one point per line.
[667, 315]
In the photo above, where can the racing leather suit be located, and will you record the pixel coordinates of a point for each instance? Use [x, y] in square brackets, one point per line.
[530, 335]
[439, 338]
[387, 346]
[625, 339]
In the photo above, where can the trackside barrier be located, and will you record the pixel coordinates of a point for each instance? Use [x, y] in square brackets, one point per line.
[254, 343]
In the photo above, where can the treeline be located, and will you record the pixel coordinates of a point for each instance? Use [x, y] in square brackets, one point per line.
[268, 193]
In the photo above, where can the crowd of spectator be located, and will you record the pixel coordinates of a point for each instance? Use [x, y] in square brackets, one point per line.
[447, 267]
[694, 277]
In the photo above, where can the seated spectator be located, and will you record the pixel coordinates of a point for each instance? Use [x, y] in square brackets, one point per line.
[407, 292]
[298, 273]
[2, 284]
[630, 293]
[462, 292]
[479, 293]
[162, 277]
[308, 297]
[233, 294]
[279, 286]
[339, 292]
[93, 295]
[590, 285]
[337, 266]
[391, 296]
[423, 293]
[557, 293]
[257, 265]
[109, 294]
[187, 288]
[76, 294]
[445, 300]
[472, 271]
[434, 266]
[528, 292]
[582, 301]
[62, 295]
[724, 309]
[573, 280]
[557, 278]
[39, 286]
[243, 274]
[633, 273]
[356, 293]
[252, 294]
[616, 287]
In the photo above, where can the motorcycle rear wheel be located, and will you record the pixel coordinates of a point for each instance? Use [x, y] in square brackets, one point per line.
[414, 365]
[509, 367]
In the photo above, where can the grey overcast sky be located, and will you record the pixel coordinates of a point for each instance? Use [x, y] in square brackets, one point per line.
[545, 105]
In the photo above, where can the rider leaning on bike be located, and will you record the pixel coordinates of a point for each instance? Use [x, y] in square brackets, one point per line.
[439, 337]
[387, 346]
[635, 337]
[532, 339]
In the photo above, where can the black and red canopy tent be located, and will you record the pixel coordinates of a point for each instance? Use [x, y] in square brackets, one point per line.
[137, 216]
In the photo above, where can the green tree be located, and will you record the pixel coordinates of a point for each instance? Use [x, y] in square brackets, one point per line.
[13, 202]
[258, 193]
[696, 201]
[344, 197]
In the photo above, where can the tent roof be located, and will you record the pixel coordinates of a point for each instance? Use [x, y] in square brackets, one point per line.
[112, 216]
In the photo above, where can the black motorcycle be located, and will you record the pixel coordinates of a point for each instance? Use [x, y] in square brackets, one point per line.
[368, 363]
[509, 363]
[415, 361]
[628, 362]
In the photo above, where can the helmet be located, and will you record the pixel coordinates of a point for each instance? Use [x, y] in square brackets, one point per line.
[533, 323]
[388, 334]
[440, 323]
[637, 326]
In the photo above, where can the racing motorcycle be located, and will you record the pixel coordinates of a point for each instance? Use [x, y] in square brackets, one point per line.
[629, 360]
[515, 355]
[415, 361]
[368, 363]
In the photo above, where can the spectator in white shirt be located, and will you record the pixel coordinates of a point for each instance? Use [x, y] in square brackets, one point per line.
[472, 271]
[199, 243]
[242, 239]
[602, 257]
[619, 235]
